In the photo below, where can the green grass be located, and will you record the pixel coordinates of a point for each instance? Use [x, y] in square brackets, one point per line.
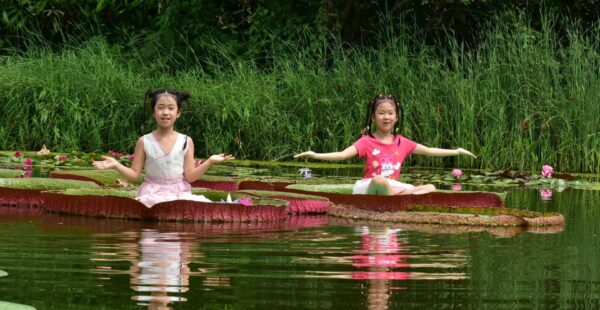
[522, 99]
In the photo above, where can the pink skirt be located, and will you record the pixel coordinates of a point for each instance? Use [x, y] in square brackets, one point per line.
[157, 189]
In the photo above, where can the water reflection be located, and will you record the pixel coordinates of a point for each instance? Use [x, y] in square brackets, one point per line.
[162, 268]
[380, 254]
[159, 267]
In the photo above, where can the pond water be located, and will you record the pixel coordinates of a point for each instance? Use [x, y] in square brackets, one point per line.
[307, 262]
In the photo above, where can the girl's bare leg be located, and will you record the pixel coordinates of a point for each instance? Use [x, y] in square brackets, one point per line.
[380, 186]
[418, 190]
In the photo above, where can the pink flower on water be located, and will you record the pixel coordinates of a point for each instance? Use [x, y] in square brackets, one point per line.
[246, 201]
[547, 171]
[131, 157]
[546, 194]
[27, 163]
[114, 154]
[17, 154]
[62, 158]
[457, 173]
[456, 187]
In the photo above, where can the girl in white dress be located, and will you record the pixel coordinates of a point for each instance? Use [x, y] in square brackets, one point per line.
[166, 155]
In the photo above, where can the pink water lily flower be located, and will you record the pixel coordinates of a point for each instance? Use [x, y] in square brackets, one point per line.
[246, 201]
[457, 173]
[27, 163]
[62, 157]
[17, 154]
[114, 154]
[131, 157]
[547, 171]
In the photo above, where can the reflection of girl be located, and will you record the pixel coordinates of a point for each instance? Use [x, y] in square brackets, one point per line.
[162, 268]
[380, 249]
[380, 253]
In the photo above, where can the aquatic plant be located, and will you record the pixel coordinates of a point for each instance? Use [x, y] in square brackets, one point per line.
[457, 173]
[310, 97]
[547, 171]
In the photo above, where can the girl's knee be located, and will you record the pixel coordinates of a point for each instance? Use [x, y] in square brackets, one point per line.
[379, 186]
[379, 180]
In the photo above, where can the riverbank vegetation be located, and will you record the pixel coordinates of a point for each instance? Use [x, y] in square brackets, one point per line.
[519, 92]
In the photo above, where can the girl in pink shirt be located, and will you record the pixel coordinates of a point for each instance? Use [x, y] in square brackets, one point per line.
[384, 151]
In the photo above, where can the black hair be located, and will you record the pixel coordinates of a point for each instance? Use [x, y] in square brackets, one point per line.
[372, 106]
[154, 95]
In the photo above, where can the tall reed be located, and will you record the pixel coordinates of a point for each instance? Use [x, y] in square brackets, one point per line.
[523, 98]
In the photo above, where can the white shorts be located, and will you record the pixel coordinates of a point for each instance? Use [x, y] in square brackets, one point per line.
[361, 186]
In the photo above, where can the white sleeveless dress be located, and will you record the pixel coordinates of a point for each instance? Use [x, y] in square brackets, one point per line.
[164, 179]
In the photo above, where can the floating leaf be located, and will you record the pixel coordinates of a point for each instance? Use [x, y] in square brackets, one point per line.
[5, 305]
[10, 173]
[44, 183]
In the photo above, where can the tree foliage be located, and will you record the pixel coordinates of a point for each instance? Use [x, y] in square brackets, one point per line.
[247, 28]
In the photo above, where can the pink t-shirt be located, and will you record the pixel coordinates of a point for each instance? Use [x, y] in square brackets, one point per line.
[381, 158]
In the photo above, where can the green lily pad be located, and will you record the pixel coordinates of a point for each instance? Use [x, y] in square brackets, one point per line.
[128, 193]
[216, 178]
[265, 194]
[217, 196]
[3, 273]
[106, 177]
[5, 305]
[44, 183]
[10, 173]
[327, 188]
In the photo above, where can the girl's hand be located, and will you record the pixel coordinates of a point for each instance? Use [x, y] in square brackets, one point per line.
[107, 163]
[310, 154]
[219, 158]
[462, 151]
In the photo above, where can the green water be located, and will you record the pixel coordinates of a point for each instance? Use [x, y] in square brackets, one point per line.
[309, 262]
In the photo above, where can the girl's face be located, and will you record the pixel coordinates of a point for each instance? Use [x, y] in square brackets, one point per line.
[385, 116]
[166, 111]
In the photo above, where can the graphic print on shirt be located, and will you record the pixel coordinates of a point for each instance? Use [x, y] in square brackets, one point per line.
[384, 164]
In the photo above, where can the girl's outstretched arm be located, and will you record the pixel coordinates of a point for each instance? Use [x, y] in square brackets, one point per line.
[345, 154]
[131, 174]
[192, 172]
[433, 151]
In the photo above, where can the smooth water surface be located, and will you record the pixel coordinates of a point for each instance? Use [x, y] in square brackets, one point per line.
[307, 262]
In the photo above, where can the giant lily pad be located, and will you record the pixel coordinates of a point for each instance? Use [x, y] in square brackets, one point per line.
[10, 173]
[44, 184]
[105, 177]
[100, 192]
[453, 216]
[326, 188]
[265, 194]
[5, 305]
[218, 196]
[347, 189]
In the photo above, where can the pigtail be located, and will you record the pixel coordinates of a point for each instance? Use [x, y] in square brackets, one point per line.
[400, 116]
[367, 130]
[183, 96]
